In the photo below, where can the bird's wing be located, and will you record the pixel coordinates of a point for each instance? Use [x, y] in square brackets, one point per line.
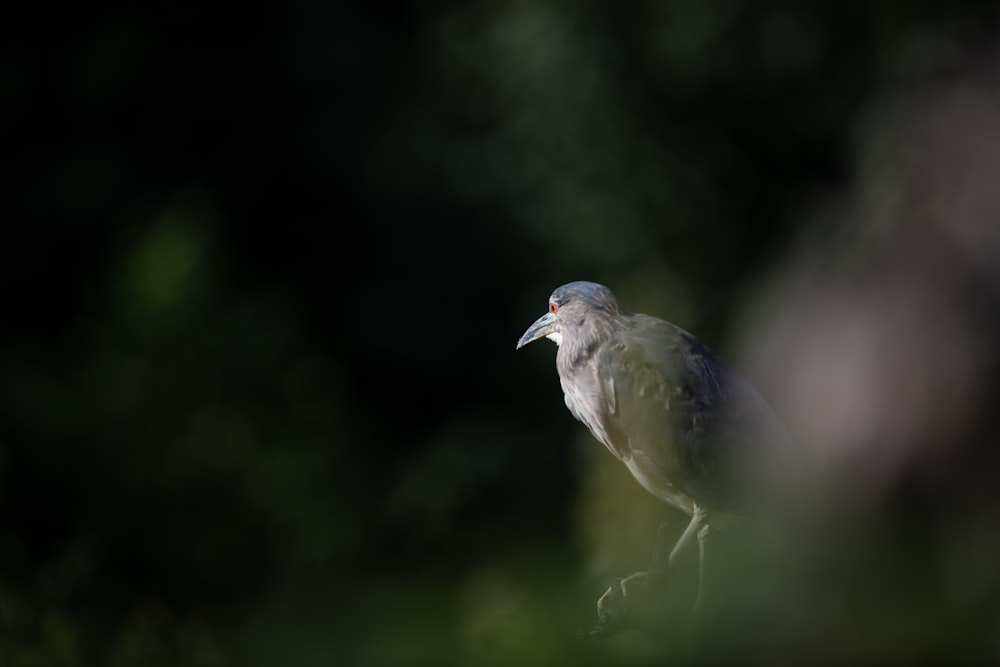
[684, 410]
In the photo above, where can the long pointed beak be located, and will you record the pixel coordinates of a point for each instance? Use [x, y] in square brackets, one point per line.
[543, 326]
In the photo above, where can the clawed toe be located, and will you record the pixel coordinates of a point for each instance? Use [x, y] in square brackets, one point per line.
[613, 606]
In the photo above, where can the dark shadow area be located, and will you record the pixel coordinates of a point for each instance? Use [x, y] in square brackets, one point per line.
[264, 271]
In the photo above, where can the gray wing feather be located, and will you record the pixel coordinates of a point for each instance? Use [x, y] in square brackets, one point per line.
[694, 419]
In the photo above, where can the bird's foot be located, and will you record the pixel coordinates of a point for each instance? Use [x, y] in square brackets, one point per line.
[613, 606]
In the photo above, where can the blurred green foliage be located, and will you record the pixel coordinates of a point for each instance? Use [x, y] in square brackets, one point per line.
[265, 270]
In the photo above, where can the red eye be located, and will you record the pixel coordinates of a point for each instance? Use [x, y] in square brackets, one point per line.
[553, 308]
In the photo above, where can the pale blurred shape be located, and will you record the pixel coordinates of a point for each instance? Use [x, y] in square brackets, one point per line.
[876, 339]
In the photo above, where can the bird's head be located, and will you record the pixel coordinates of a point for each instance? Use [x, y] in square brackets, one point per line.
[576, 311]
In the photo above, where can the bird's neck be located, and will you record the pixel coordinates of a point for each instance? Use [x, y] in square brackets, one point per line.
[575, 355]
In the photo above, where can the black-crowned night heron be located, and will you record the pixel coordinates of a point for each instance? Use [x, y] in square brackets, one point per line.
[691, 431]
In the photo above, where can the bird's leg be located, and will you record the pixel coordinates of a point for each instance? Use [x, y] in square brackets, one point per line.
[697, 519]
[697, 525]
[614, 603]
[702, 538]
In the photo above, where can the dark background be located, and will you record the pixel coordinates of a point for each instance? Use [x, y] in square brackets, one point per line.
[264, 270]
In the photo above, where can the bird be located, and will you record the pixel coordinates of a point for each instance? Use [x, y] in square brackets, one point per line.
[691, 430]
